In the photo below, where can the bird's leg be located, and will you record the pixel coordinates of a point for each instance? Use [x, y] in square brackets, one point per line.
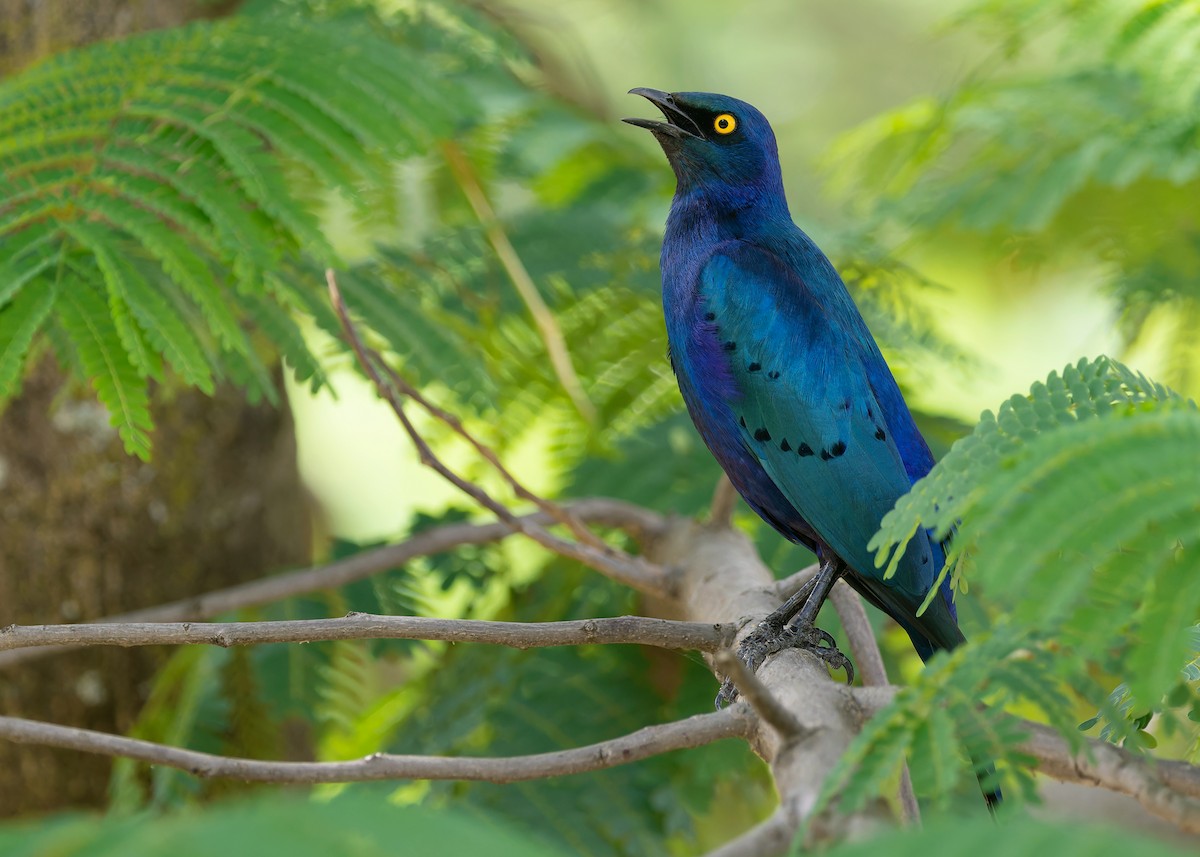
[791, 625]
[807, 635]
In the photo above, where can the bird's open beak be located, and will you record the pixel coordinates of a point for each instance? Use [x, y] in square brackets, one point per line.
[678, 123]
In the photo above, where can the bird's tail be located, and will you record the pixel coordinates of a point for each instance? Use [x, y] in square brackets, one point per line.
[946, 636]
[934, 630]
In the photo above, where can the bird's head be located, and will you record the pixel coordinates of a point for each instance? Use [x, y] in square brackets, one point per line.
[715, 143]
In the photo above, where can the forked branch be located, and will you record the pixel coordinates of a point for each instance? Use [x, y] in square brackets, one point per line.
[620, 566]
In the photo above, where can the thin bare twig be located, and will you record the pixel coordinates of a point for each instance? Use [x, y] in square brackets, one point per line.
[641, 630]
[559, 513]
[554, 510]
[793, 583]
[755, 692]
[724, 500]
[631, 571]
[863, 647]
[634, 519]
[552, 336]
[909, 806]
[695, 731]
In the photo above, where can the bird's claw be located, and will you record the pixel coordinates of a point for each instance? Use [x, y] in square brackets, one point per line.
[727, 695]
[768, 638]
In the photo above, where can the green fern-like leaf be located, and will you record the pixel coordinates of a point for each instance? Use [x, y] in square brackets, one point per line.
[1093, 153]
[1191, 670]
[20, 321]
[28, 255]
[931, 722]
[81, 311]
[1077, 504]
[948, 494]
[1079, 501]
[169, 335]
[175, 171]
[276, 322]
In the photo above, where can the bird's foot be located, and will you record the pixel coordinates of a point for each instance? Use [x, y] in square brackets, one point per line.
[769, 638]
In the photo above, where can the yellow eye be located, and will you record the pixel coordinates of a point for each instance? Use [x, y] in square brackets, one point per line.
[725, 124]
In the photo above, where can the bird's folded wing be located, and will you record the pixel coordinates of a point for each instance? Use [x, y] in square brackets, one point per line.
[807, 410]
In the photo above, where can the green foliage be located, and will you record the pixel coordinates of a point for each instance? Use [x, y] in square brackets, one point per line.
[185, 708]
[981, 838]
[188, 178]
[951, 492]
[167, 221]
[1072, 508]
[1191, 670]
[446, 307]
[1076, 505]
[153, 197]
[362, 825]
[505, 702]
[359, 697]
[368, 826]
[1126, 723]
[1075, 143]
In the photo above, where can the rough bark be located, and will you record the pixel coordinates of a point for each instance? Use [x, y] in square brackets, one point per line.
[33, 29]
[87, 531]
[720, 576]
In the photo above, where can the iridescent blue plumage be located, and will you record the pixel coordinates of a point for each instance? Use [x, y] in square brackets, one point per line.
[780, 374]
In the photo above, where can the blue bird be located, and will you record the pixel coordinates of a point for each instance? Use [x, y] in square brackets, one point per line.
[783, 380]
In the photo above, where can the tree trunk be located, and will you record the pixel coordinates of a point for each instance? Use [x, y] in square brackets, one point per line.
[33, 29]
[86, 530]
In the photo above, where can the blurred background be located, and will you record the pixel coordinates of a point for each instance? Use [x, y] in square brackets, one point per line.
[1003, 307]
[1005, 186]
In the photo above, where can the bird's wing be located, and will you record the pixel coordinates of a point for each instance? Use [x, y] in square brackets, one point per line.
[806, 409]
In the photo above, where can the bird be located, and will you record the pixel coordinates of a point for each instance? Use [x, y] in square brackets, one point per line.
[784, 381]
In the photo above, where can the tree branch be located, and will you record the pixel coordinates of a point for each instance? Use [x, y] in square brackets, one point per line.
[632, 571]
[724, 499]
[864, 648]
[824, 711]
[698, 730]
[721, 575]
[640, 630]
[754, 692]
[793, 583]
[1167, 788]
[640, 523]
